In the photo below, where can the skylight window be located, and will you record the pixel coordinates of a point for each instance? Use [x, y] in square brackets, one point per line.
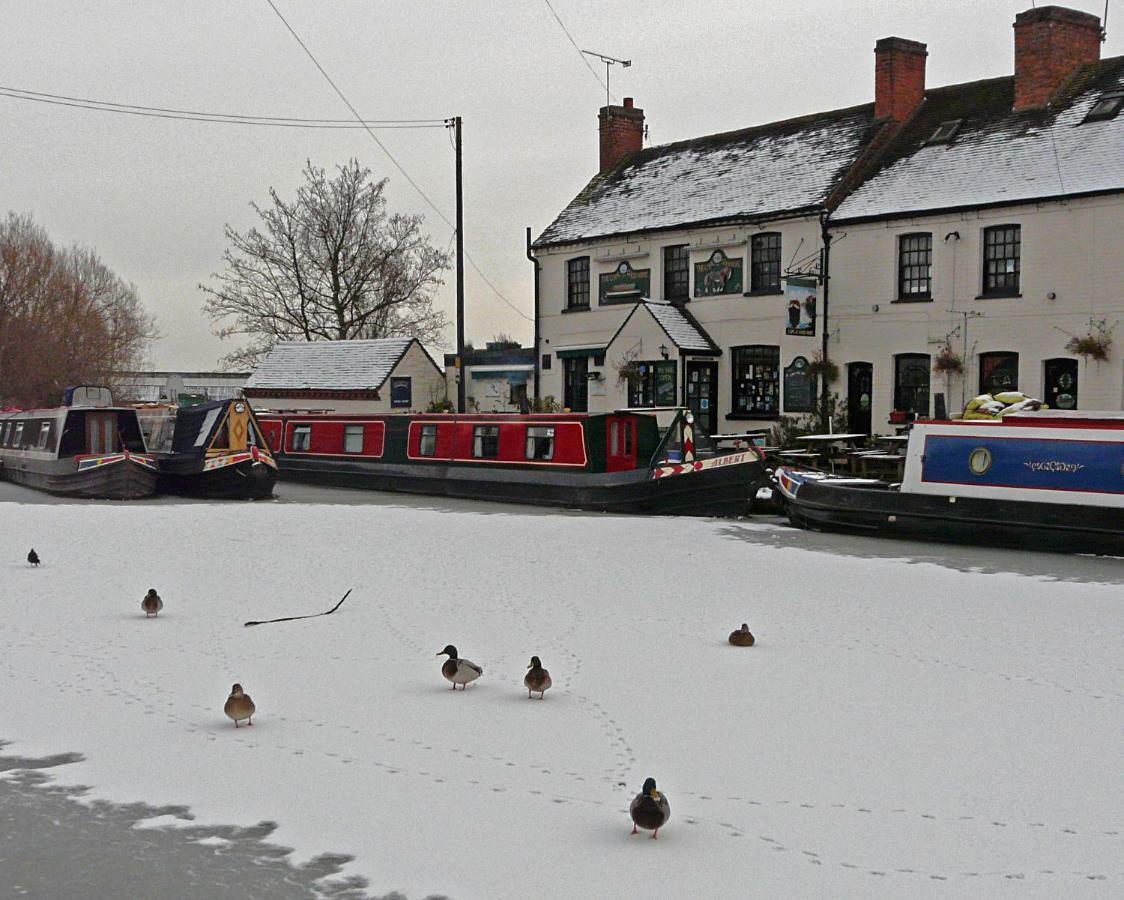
[1106, 108]
[945, 133]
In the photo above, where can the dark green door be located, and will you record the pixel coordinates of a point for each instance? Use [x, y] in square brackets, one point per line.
[1061, 383]
[702, 394]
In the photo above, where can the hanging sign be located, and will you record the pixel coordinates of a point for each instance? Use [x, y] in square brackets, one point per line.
[718, 275]
[800, 300]
[799, 387]
[624, 284]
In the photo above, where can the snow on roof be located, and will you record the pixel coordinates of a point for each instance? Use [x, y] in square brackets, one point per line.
[329, 365]
[679, 325]
[782, 167]
[999, 156]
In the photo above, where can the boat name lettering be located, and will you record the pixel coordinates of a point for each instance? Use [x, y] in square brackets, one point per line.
[1053, 465]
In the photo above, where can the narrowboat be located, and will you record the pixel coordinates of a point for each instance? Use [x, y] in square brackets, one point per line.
[86, 448]
[1045, 479]
[212, 450]
[617, 462]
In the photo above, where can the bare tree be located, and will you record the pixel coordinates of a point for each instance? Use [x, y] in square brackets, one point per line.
[332, 264]
[65, 317]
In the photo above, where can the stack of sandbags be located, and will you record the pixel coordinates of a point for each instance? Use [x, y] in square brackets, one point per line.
[987, 406]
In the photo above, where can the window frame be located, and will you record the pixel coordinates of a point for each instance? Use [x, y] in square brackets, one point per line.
[772, 391]
[763, 267]
[998, 355]
[646, 393]
[44, 436]
[17, 435]
[427, 436]
[1007, 289]
[576, 287]
[297, 446]
[1113, 102]
[531, 445]
[673, 254]
[899, 388]
[905, 267]
[350, 431]
[485, 437]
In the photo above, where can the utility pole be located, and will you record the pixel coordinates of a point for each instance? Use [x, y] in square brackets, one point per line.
[460, 270]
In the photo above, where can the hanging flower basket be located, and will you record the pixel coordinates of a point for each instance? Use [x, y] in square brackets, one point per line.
[628, 373]
[948, 362]
[822, 367]
[1094, 344]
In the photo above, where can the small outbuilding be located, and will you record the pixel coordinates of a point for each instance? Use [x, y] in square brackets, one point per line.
[362, 376]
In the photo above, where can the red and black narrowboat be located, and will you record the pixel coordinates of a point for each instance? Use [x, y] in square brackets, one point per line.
[86, 448]
[615, 462]
[213, 450]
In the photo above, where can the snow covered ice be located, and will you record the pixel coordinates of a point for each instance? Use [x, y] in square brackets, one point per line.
[913, 720]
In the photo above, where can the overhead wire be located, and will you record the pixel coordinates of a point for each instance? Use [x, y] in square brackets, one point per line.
[570, 37]
[191, 115]
[391, 157]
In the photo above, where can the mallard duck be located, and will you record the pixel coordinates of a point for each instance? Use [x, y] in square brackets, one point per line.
[239, 706]
[33, 557]
[537, 679]
[457, 670]
[649, 809]
[743, 637]
[152, 604]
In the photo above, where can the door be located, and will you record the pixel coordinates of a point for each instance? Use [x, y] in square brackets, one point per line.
[702, 394]
[575, 396]
[620, 443]
[860, 384]
[101, 432]
[1061, 383]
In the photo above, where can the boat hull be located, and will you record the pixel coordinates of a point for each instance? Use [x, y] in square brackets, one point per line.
[712, 491]
[126, 479]
[879, 510]
[245, 480]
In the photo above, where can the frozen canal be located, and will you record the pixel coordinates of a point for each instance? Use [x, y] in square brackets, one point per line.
[915, 720]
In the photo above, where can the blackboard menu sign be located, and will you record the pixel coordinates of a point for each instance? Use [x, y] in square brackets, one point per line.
[799, 387]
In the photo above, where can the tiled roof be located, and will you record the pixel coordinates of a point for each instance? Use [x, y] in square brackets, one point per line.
[678, 324]
[329, 365]
[998, 156]
[784, 167]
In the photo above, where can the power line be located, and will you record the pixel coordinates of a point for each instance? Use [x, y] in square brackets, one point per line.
[188, 115]
[588, 64]
[390, 155]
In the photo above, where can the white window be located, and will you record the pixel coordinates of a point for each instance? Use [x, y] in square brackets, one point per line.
[486, 441]
[44, 435]
[302, 438]
[427, 444]
[540, 442]
[353, 439]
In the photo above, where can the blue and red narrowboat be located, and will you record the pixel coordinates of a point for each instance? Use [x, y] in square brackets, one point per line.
[615, 462]
[1046, 479]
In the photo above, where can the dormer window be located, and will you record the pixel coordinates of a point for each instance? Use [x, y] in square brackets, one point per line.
[1106, 108]
[945, 132]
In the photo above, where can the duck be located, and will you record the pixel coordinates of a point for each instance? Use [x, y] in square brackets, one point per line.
[457, 670]
[649, 809]
[152, 604]
[537, 678]
[33, 557]
[239, 706]
[743, 637]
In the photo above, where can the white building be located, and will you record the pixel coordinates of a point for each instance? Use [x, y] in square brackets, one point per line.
[171, 387]
[1002, 201]
[383, 375]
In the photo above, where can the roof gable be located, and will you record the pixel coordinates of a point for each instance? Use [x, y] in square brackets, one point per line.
[330, 365]
[766, 171]
[681, 328]
[998, 156]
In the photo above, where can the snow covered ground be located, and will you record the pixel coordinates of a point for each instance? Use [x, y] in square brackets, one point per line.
[914, 720]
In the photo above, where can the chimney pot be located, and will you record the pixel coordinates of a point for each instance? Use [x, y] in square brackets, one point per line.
[899, 78]
[1051, 43]
[622, 132]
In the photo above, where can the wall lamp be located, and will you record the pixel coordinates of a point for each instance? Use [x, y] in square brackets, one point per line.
[663, 351]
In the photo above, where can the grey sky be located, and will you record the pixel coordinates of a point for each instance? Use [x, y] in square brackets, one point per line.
[152, 196]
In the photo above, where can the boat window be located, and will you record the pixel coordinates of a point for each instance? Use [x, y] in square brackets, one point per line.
[427, 445]
[540, 442]
[627, 429]
[44, 435]
[353, 439]
[486, 441]
[615, 438]
[205, 428]
[4, 433]
[302, 438]
[16, 438]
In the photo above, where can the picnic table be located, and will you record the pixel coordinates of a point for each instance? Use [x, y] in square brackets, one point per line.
[876, 463]
[821, 445]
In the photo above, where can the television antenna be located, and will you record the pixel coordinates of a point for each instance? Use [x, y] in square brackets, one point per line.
[609, 61]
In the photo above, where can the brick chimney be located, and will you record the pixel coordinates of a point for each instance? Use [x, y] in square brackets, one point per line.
[899, 78]
[1051, 43]
[622, 132]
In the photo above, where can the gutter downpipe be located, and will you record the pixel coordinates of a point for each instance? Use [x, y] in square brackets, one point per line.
[538, 357]
[825, 275]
